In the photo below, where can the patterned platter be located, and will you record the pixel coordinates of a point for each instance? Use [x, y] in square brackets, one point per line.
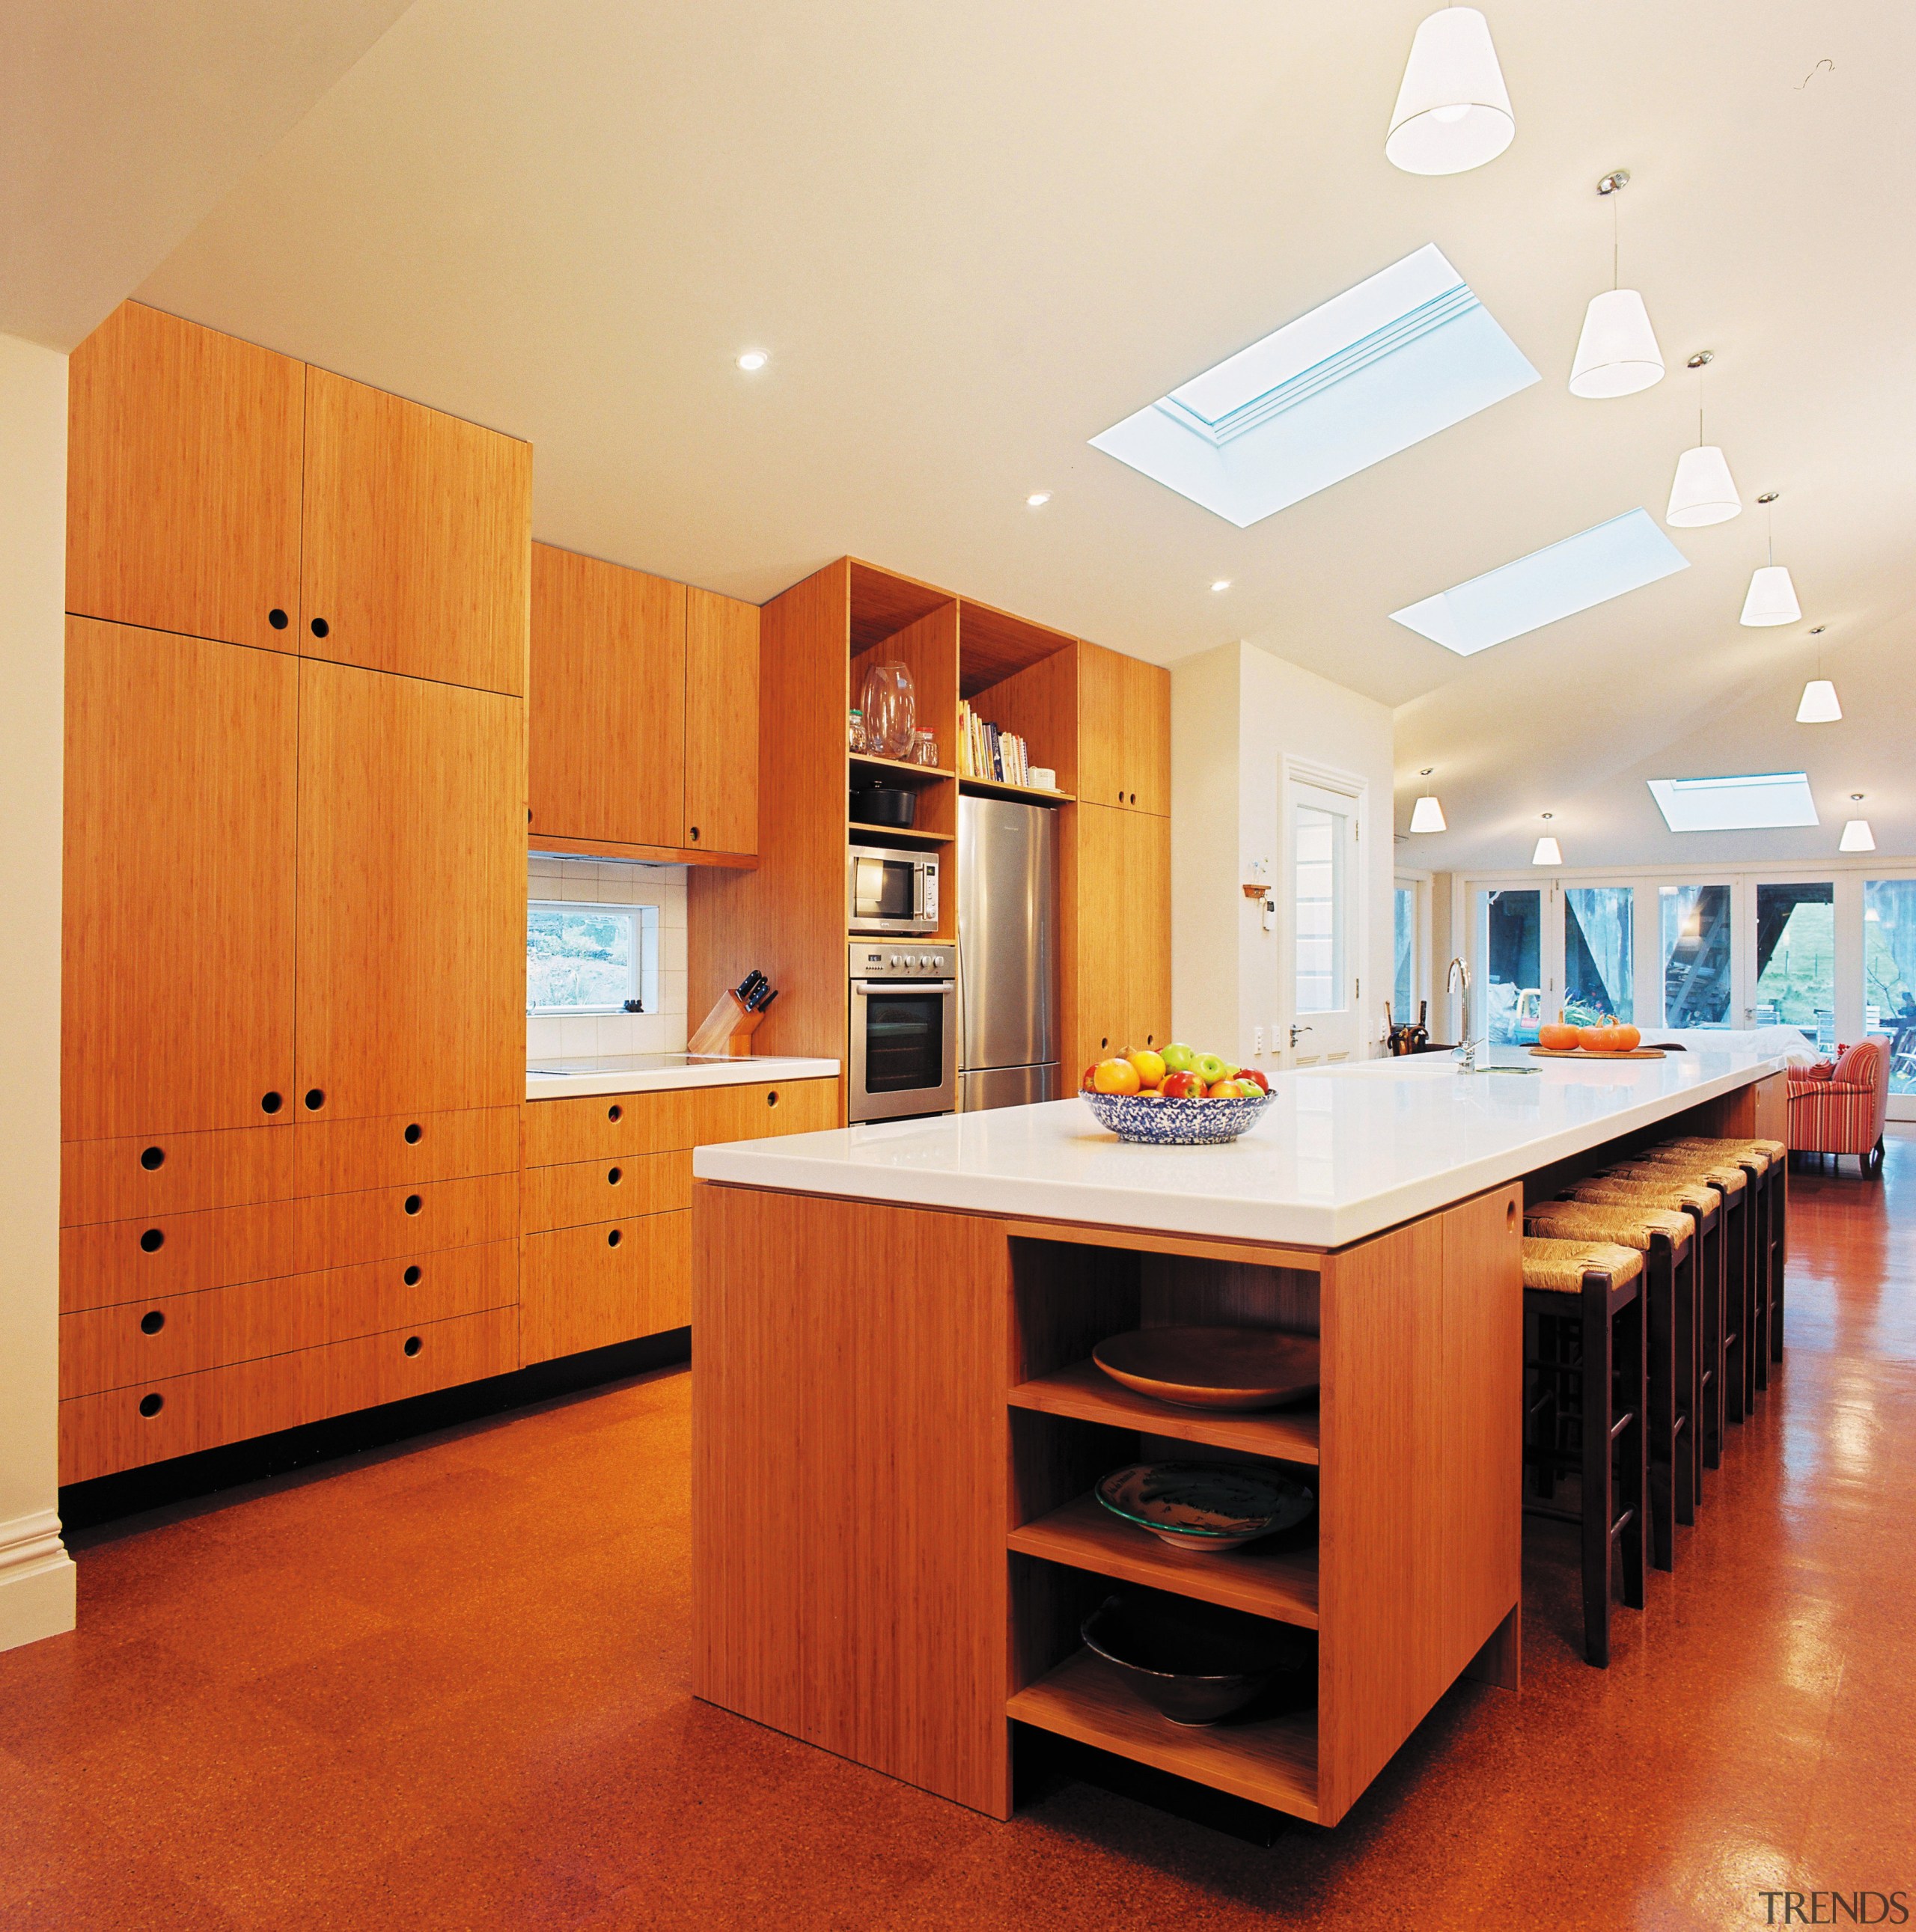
[1196, 1508]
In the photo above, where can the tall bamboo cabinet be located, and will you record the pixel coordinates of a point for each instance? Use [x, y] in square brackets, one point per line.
[1100, 719]
[293, 1039]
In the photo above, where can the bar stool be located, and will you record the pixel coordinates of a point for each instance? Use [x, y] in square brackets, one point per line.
[1591, 1290]
[1731, 1185]
[1718, 1389]
[1663, 1236]
[1774, 1184]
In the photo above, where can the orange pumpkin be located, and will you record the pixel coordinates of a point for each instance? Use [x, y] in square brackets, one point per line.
[1597, 1038]
[1558, 1038]
[1629, 1038]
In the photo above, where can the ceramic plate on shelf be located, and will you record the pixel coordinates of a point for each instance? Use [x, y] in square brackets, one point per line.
[1199, 1662]
[1197, 1508]
[1213, 1368]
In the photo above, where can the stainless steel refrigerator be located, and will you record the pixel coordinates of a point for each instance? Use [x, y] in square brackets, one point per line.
[1007, 920]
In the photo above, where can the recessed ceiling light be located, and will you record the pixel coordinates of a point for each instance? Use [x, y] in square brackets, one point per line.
[752, 361]
[1752, 802]
[1037, 499]
[1400, 356]
[1221, 583]
[1557, 581]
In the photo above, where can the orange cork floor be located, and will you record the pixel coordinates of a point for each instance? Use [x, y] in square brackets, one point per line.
[447, 1686]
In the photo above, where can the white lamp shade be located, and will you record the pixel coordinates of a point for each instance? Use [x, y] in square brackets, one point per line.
[1701, 492]
[1427, 815]
[1452, 112]
[1772, 598]
[1548, 853]
[1819, 705]
[1856, 836]
[1616, 353]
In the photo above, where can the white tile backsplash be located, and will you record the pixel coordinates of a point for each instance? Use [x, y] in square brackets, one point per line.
[610, 882]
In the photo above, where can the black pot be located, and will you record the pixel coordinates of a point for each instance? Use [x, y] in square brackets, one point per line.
[1197, 1662]
[884, 805]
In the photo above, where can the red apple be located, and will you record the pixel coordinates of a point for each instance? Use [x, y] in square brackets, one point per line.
[1256, 1078]
[1183, 1086]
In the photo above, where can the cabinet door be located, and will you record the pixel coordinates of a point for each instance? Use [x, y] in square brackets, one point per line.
[1103, 759]
[417, 539]
[178, 953]
[1106, 930]
[1147, 940]
[586, 1288]
[721, 724]
[606, 702]
[183, 460]
[410, 973]
[1148, 736]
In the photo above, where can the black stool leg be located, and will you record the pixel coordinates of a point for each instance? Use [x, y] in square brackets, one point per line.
[1631, 1331]
[1687, 1446]
[1661, 1399]
[1599, 1498]
[1779, 1253]
[1706, 1247]
[1756, 1196]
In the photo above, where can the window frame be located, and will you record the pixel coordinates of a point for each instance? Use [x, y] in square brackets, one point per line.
[644, 976]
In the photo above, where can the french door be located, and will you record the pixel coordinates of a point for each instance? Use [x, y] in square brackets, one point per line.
[1326, 943]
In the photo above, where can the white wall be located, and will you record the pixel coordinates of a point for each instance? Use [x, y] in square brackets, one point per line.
[36, 1575]
[1237, 713]
[617, 882]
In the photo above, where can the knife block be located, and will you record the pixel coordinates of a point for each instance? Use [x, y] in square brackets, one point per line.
[728, 1028]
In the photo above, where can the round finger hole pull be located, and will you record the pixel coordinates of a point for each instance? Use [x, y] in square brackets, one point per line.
[414, 1202]
[277, 618]
[615, 1112]
[771, 1098]
[152, 1157]
[320, 627]
[415, 1133]
[151, 1404]
[413, 1276]
[152, 1240]
[152, 1321]
[271, 1103]
[413, 1345]
[613, 1175]
[613, 1240]
[316, 1099]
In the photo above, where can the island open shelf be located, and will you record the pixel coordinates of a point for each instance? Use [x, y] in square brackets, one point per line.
[1084, 1391]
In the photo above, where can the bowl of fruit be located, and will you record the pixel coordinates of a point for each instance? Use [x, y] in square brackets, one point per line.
[1177, 1098]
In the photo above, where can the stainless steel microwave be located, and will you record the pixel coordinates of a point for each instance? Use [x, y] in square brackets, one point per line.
[889, 891]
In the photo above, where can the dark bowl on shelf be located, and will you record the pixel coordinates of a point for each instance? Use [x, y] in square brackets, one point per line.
[1197, 1662]
[884, 805]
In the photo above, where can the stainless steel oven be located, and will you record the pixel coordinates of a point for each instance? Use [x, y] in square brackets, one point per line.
[890, 891]
[903, 1047]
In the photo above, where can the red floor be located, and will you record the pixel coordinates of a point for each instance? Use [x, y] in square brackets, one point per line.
[447, 1687]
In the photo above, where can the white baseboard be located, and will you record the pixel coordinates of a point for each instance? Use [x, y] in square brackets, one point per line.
[37, 1579]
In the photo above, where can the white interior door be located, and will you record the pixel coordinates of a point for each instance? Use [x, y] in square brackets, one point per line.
[1321, 830]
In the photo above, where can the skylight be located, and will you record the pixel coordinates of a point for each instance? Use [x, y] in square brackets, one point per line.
[1385, 365]
[1589, 569]
[1752, 803]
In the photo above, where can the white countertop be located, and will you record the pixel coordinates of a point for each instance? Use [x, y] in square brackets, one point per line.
[654, 1073]
[1345, 1152]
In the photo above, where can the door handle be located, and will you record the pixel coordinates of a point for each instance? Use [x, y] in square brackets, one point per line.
[1296, 1030]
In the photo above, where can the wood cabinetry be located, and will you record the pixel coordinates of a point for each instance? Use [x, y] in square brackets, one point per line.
[1145, 931]
[1124, 732]
[410, 969]
[417, 539]
[644, 714]
[183, 453]
[178, 889]
[1117, 961]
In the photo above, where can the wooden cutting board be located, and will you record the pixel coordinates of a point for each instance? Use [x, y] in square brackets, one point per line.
[1584, 1053]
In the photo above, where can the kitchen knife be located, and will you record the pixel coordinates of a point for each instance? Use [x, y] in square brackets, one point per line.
[764, 998]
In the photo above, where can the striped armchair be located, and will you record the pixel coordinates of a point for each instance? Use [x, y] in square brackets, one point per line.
[1840, 1108]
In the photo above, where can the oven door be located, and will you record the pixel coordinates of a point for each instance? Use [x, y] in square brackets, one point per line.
[904, 1048]
[883, 894]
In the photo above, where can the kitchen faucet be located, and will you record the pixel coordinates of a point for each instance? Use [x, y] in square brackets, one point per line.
[1466, 1055]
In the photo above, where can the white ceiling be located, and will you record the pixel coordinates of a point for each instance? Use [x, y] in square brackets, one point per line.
[973, 237]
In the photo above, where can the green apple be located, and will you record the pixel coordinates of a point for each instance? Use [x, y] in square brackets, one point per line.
[1178, 1058]
[1231, 1072]
[1209, 1069]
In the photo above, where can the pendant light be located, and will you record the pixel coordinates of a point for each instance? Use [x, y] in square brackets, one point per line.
[1452, 111]
[1427, 815]
[1856, 836]
[1819, 705]
[1701, 492]
[1549, 852]
[1616, 353]
[1771, 598]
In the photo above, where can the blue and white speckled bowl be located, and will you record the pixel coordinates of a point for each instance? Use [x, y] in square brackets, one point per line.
[1132, 1117]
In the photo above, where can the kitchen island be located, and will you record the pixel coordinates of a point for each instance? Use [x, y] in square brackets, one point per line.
[897, 1427]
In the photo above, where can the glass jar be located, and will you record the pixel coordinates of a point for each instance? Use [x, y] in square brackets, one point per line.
[856, 735]
[890, 708]
[924, 750]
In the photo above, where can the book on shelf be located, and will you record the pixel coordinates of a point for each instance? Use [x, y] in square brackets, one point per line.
[984, 751]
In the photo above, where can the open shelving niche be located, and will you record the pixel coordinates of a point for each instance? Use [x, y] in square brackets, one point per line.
[1069, 1424]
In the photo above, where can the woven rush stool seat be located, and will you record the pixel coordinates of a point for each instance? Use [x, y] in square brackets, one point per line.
[1766, 1163]
[1583, 1332]
[1665, 1238]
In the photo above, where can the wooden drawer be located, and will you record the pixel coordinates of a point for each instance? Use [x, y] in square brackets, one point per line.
[606, 1126]
[337, 1230]
[107, 1262]
[146, 1422]
[397, 1149]
[178, 1335]
[582, 1288]
[585, 1191]
[173, 1173]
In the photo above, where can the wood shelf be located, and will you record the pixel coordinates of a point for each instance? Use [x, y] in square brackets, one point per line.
[904, 832]
[1086, 1393]
[1024, 794]
[900, 767]
[1271, 1761]
[1279, 1584]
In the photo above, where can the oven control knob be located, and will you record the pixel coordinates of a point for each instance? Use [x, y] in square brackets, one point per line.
[894, 961]
[925, 960]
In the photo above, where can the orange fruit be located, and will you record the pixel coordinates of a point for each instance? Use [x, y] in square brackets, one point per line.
[1150, 1067]
[1116, 1076]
